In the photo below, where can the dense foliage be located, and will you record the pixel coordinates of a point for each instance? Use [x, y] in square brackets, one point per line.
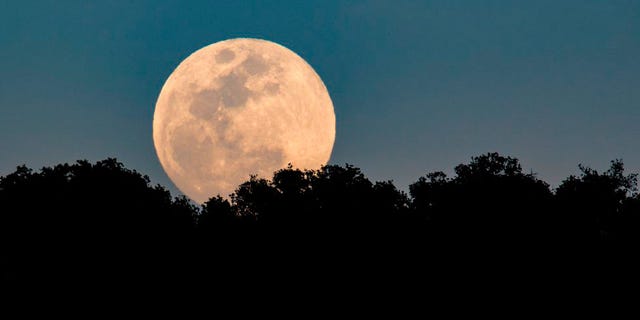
[104, 221]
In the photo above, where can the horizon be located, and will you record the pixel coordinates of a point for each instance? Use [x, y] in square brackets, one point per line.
[401, 188]
[417, 87]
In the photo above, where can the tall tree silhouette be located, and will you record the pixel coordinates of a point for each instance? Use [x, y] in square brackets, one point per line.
[85, 217]
[489, 203]
[596, 209]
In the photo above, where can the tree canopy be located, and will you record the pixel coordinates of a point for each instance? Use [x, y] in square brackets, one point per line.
[101, 215]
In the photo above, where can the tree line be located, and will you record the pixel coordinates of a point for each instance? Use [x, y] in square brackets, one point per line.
[85, 218]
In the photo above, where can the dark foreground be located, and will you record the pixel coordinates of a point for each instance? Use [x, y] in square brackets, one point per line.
[89, 226]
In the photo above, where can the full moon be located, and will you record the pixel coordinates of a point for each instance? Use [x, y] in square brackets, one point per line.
[237, 108]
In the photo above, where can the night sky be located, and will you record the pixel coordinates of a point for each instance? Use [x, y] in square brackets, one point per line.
[417, 86]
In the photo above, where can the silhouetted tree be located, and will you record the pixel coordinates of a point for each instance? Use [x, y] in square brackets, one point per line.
[596, 208]
[490, 203]
[92, 215]
[216, 213]
[256, 199]
[343, 195]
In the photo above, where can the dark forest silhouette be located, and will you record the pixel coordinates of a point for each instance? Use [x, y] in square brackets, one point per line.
[103, 222]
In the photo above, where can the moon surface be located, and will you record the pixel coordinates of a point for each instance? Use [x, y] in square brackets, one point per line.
[240, 107]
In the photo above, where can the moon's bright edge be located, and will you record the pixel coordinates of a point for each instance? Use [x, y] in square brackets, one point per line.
[240, 107]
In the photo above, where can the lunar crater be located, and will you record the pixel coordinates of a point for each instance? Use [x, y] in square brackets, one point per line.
[272, 88]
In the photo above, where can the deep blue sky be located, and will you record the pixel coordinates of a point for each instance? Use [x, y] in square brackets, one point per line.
[417, 85]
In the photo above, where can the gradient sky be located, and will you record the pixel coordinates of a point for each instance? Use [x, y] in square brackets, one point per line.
[417, 86]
